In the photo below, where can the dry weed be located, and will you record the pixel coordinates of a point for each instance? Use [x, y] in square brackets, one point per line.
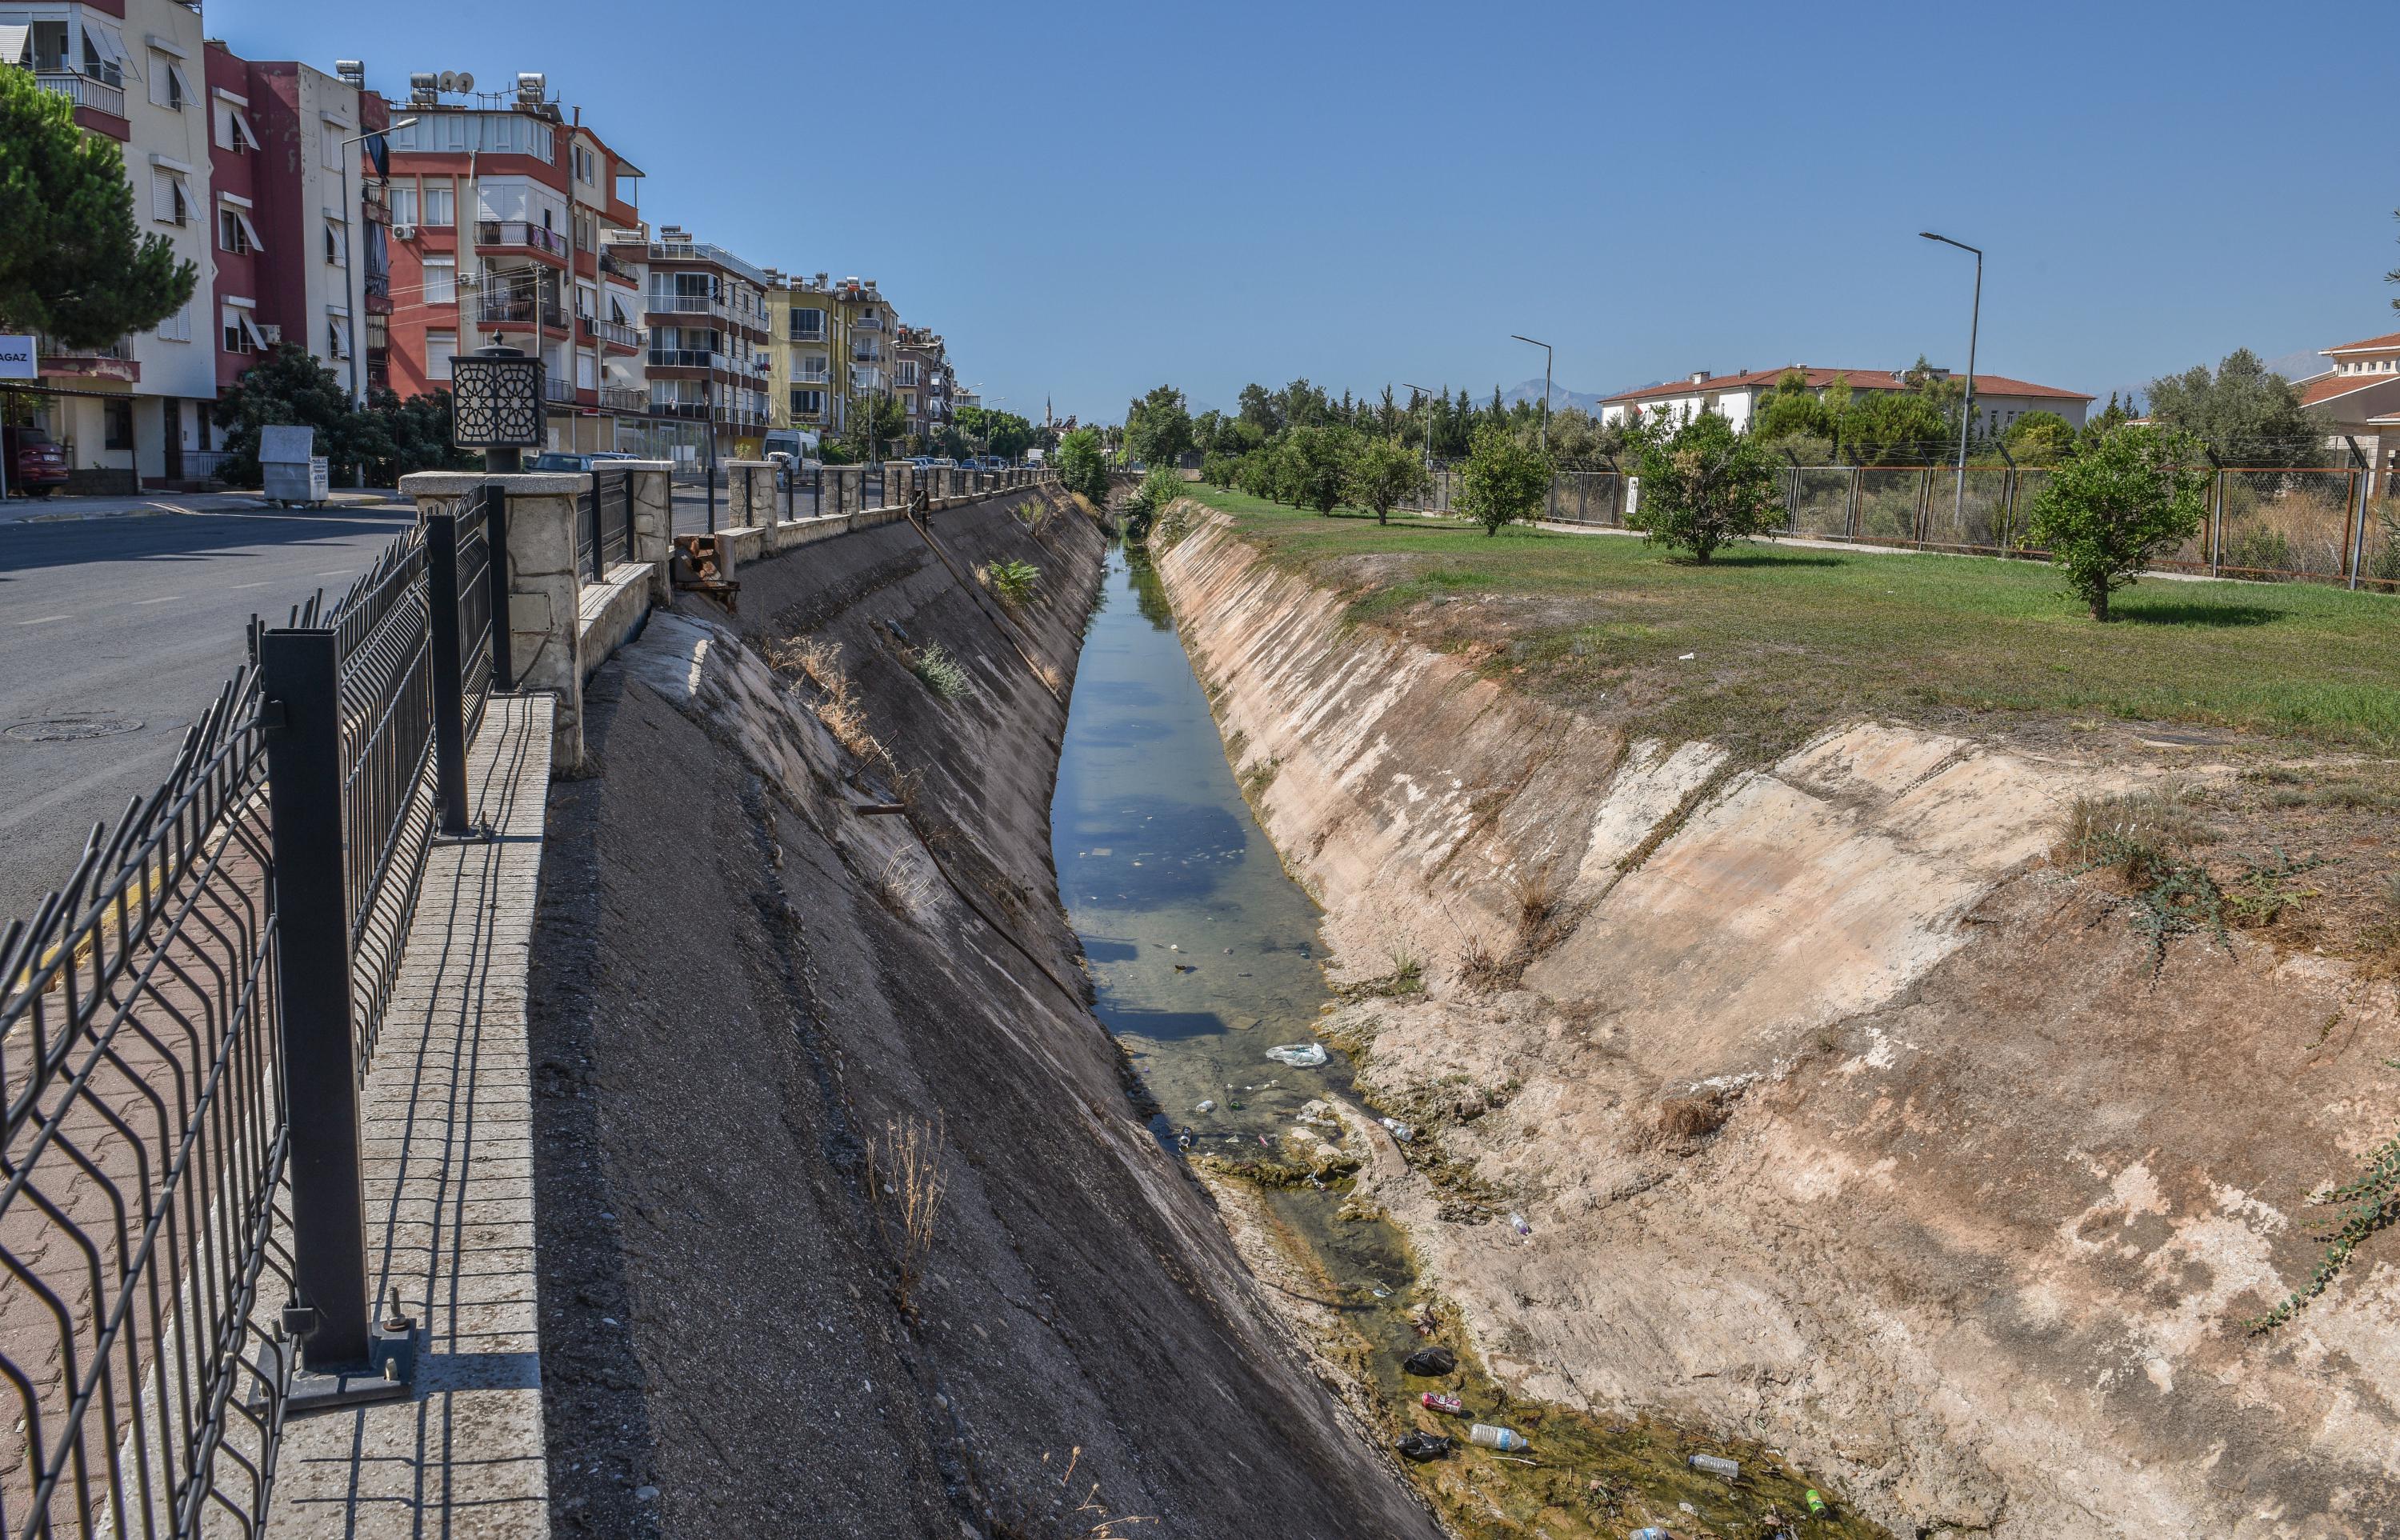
[903, 1177]
[1088, 1520]
[1537, 896]
[820, 663]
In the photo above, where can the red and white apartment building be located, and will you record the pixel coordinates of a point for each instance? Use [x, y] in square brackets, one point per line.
[295, 221]
[504, 216]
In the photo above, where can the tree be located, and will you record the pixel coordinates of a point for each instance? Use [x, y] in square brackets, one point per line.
[2116, 502]
[2244, 407]
[1382, 471]
[1262, 409]
[1158, 428]
[288, 385]
[1315, 465]
[1792, 411]
[72, 264]
[876, 423]
[1704, 484]
[1504, 480]
[2039, 438]
[1082, 468]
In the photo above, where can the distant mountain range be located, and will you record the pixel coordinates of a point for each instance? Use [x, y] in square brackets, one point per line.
[1560, 397]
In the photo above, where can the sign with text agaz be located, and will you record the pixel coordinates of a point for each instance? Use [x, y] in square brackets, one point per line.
[17, 361]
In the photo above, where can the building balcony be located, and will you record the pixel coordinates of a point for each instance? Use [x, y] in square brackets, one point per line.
[612, 334]
[689, 357]
[867, 323]
[520, 310]
[610, 266]
[83, 90]
[819, 378]
[623, 397]
[866, 352]
[518, 235]
[558, 390]
[115, 361]
[686, 305]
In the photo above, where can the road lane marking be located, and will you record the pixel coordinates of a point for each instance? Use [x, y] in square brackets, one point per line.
[167, 599]
[261, 583]
[41, 620]
[334, 573]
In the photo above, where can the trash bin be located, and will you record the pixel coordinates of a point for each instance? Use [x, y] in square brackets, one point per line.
[291, 469]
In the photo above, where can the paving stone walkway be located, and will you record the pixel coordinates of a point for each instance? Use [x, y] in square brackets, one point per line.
[449, 1186]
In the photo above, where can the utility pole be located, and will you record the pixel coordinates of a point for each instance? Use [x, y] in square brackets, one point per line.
[1545, 389]
[1966, 418]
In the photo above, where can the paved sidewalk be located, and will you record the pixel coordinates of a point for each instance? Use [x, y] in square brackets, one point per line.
[449, 1179]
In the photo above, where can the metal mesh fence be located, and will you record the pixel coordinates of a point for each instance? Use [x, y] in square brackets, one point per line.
[2279, 523]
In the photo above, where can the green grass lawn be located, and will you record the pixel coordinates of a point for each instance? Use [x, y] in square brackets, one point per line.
[1788, 639]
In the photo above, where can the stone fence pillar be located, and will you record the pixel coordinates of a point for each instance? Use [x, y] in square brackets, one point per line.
[749, 493]
[544, 586]
[653, 519]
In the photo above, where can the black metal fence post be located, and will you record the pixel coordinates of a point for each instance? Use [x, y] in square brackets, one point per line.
[449, 677]
[599, 557]
[496, 571]
[301, 685]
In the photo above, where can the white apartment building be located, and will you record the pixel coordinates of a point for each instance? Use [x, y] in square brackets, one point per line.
[136, 78]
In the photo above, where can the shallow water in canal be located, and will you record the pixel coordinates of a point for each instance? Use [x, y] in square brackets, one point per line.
[1205, 952]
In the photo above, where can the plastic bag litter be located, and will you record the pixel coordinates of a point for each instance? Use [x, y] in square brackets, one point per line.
[1422, 1447]
[1429, 1362]
[1299, 1056]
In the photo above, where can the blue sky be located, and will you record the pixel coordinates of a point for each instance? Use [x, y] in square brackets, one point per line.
[1089, 200]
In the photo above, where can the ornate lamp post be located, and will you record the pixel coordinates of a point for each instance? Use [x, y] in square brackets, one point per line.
[496, 405]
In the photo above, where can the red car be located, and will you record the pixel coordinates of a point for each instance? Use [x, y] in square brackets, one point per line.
[36, 462]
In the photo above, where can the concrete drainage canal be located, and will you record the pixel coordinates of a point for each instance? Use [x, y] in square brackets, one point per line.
[1205, 955]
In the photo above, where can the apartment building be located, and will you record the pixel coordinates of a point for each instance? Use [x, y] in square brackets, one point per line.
[864, 324]
[710, 362]
[505, 213]
[133, 69]
[295, 220]
[807, 379]
[923, 376]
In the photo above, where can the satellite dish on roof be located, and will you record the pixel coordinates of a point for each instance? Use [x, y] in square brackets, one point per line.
[466, 83]
[448, 82]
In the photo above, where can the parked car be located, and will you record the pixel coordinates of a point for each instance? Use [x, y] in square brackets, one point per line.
[36, 464]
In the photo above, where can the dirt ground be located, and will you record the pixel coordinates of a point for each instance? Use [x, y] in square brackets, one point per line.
[750, 990]
[1855, 1103]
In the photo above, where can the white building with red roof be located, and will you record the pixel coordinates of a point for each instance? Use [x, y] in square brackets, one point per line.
[2360, 395]
[1999, 401]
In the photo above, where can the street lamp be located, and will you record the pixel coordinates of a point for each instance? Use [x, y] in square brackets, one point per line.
[1546, 389]
[496, 405]
[1426, 396]
[1975, 324]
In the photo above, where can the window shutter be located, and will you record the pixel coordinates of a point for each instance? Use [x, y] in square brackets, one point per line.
[241, 127]
[249, 231]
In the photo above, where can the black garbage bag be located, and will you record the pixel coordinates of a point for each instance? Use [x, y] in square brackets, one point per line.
[1421, 1447]
[1429, 1362]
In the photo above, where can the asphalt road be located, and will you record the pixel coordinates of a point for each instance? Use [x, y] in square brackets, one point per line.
[131, 624]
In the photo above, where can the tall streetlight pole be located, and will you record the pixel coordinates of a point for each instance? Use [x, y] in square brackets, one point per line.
[1967, 418]
[1545, 389]
[1426, 396]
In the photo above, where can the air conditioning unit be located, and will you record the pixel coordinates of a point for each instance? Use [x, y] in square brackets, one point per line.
[404, 232]
[273, 333]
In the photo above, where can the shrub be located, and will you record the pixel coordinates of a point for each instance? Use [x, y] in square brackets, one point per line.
[1219, 470]
[1160, 486]
[1504, 480]
[1012, 580]
[1704, 484]
[2260, 549]
[941, 673]
[2130, 493]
